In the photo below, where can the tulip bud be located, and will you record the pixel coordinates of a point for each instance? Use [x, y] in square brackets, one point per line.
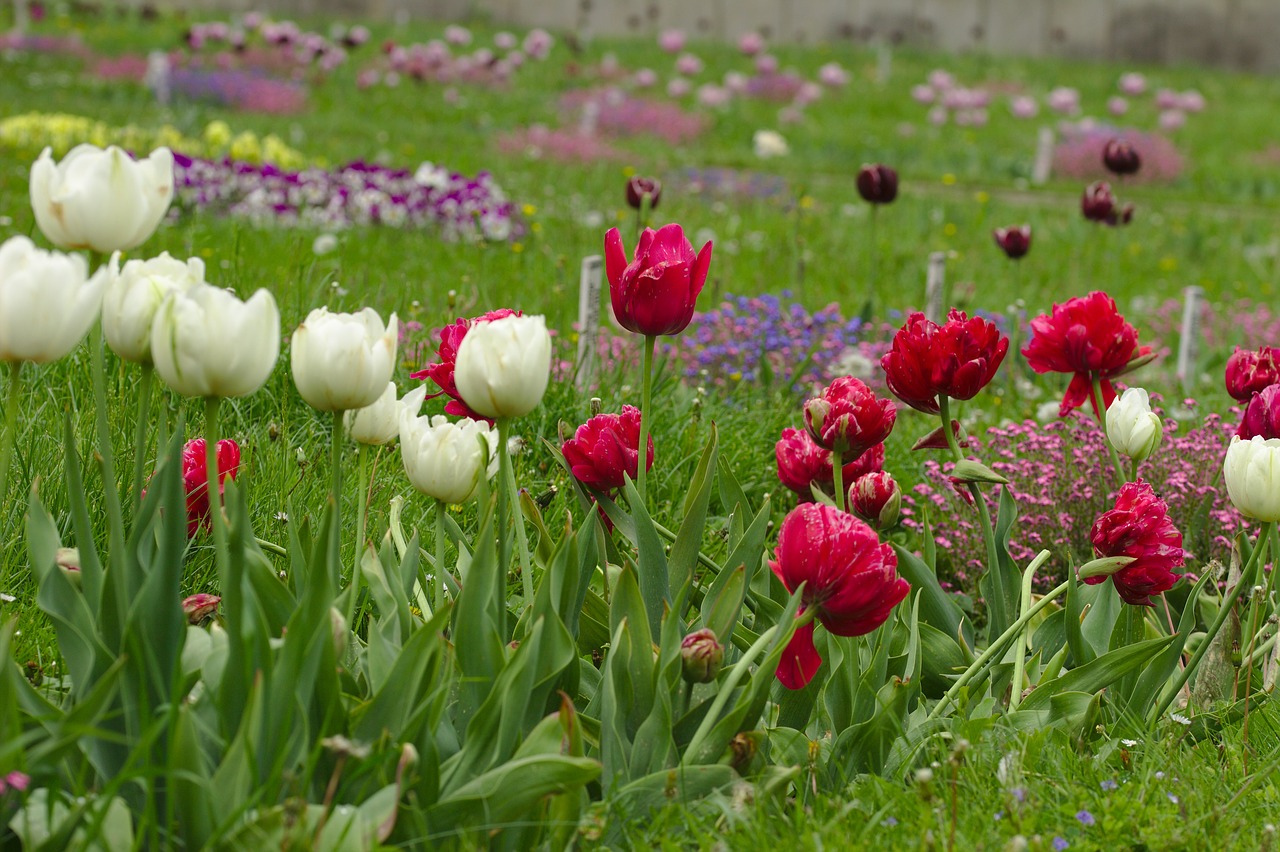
[208, 343]
[1132, 427]
[701, 656]
[134, 294]
[1120, 157]
[100, 200]
[444, 459]
[199, 607]
[1252, 473]
[68, 559]
[877, 499]
[47, 301]
[379, 423]
[503, 366]
[877, 184]
[342, 362]
[1014, 241]
[340, 631]
[641, 188]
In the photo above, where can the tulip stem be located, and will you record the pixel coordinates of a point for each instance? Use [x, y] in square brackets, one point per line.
[998, 646]
[439, 556]
[1099, 410]
[1020, 659]
[508, 474]
[10, 428]
[646, 390]
[212, 405]
[362, 504]
[996, 608]
[837, 477]
[140, 432]
[1228, 605]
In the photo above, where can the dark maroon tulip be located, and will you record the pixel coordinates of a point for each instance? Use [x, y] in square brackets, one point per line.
[1014, 241]
[1098, 204]
[1121, 158]
[640, 188]
[1249, 371]
[877, 184]
[1139, 526]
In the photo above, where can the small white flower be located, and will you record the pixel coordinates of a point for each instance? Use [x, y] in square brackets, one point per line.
[7, 598]
[282, 517]
[1180, 719]
[1128, 743]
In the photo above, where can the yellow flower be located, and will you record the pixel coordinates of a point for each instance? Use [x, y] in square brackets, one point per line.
[628, 171]
[517, 247]
[529, 209]
[806, 201]
[949, 229]
[246, 147]
[982, 197]
[1168, 263]
[948, 179]
[217, 134]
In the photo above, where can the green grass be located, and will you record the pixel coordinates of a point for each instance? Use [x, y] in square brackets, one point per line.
[957, 185]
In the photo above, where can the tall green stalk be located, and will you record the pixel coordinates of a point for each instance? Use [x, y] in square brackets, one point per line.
[212, 406]
[362, 506]
[837, 476]
[10, 428]
[140, 431]
[439, 556]
[646, 393]
[508, 474]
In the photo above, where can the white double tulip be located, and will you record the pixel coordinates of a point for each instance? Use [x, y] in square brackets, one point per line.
[135, 292]
[444, 459]
[1132, 427]
[503, 366]
[342, 362]
[208, 343]
[101, 200]
[47, 301]
[1252, 473]
[380, 423]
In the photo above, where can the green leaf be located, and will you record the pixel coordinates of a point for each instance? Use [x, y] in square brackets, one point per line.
[732, 498]
[684, 550]
[510, 792]
[968, 470]
[723, 603]
[938, 609]
[1098, 674]
[654, 581]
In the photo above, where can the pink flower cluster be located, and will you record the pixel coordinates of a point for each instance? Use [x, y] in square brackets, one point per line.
[1079, 154]
[612, 111]
[446, 61]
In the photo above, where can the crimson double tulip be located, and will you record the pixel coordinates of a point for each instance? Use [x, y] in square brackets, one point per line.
[850, 580]
[956, 359]
[1085, 336]
[442, 372]
[877, 184]
[1262, 415]
[656, 292]
[1139, 527]
[195, 479]
[1014, 241]
[848, 419]
[606, 449]
[1249, 371]
[802, 464]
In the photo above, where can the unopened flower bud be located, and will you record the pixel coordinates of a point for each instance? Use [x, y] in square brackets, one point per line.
[876, 498]
[338, 625]
[199, 607]
[701, 656]
[597, 405]
[1132, 427]
[68, 559]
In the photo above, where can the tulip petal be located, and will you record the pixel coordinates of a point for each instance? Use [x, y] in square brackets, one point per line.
[615, 257]
[800, 659]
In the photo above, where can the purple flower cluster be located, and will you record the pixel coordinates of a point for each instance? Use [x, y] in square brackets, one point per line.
[1239, 323]
[247, 91]
[71, 45]
[1079, 154]
[613, 111]
[718, 182]
[458, 207]
[1060, 476]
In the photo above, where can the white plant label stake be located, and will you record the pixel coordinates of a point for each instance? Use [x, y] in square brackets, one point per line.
[588, 318]
[934, 284]
[1189, 344]
[1044, 157]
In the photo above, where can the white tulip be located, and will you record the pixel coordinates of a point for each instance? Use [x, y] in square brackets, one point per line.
[342, 362]
[47, 301]
[133, 296]
[503, 366]
[444, 459]
[380, 423]
[1252, 473]
[101, 200]
[1132, 427]
[207, 343]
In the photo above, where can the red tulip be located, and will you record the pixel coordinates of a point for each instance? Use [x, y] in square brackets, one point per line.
[195, 478]
[656, 293]
[441, 372]
[1248, 372]
[850, 578]
[1014, 241]
[1098, 204]
[877, 184]
[803, 464]
[877, 499]
[1086, 336]
[639, 188]
[199, 607]
[848, 419]
[1121, 158]
[605, 448]
[958, 358]
[1139, 526]
[1262, 415]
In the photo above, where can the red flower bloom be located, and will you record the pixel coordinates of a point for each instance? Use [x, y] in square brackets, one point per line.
[606, 447]
[195, 479]
[1262, 415]
[1139, 526]
[639, 187]
[958, 358]
[1248, 372]
[802, 463]
[441, 372]
[848, 419]
[1086, 336]
[1121, 158]
[877, 184]
[849, 577]
[1014, 241]
[876, 498]
[656, 292]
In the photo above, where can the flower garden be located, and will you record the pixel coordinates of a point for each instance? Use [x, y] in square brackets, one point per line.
[441, 435]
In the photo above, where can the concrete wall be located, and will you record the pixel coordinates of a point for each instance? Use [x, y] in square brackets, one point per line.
[1242, 34]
